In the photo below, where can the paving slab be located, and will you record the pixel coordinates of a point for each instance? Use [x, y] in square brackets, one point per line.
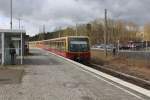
[48, 77]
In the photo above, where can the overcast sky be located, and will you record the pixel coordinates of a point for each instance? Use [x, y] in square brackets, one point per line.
[62, 13]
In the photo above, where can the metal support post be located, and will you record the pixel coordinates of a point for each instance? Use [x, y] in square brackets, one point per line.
[21, 49]
[3, 48]
[105, 33]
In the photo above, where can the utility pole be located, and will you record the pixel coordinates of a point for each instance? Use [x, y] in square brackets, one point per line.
[11, 14]
[59, 32]
[40, 32]
[43, 29]
[43, 32]
[105, 33]
[76, 30]
[19, 20]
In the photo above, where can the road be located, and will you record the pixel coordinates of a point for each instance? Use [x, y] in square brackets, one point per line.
[48, 77]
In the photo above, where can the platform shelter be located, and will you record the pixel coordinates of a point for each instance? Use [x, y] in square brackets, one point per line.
[17, 39]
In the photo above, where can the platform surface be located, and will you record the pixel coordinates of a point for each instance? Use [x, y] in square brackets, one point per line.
[48, 77]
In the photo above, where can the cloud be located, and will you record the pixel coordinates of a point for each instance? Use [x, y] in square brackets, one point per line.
[62, 13]
[132, 10]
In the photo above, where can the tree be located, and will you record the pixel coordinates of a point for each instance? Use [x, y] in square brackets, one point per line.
[147, 31]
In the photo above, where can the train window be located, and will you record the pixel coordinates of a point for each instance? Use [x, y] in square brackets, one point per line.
[55, 45]
[49, 44]
[63, 46]
[79, 45]
[58, 45]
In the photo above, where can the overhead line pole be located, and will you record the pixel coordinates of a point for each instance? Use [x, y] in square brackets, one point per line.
[11, 14]
[43, 35]
[76, 30]
[19, 22]
[43, 28]
[105, 33]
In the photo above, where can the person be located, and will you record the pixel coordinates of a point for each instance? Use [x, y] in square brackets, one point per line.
[12, 52]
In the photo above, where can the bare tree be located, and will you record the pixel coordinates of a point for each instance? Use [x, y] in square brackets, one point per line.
[147, 31]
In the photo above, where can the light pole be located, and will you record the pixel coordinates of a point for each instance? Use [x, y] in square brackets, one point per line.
[76, 30]
[11, 14]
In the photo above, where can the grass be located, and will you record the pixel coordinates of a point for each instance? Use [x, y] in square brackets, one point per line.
[138, 68]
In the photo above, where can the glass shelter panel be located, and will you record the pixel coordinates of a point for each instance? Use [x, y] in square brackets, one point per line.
[12, 49]
[0, 49]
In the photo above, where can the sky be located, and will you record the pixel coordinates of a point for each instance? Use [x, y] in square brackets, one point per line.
[62, 13]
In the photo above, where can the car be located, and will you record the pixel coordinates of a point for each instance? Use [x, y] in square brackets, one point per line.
[124, 47]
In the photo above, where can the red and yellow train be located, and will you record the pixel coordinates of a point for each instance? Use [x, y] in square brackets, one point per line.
[73, 47]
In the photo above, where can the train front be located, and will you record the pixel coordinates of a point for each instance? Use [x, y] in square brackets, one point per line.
[79, 49]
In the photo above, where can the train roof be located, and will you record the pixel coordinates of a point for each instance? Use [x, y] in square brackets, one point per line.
[62, 38]
[78, 36]
[70, 37]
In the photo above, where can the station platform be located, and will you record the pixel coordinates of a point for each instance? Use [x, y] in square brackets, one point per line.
[49, 77]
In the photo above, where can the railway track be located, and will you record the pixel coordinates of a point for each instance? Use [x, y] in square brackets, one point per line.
[132, 79]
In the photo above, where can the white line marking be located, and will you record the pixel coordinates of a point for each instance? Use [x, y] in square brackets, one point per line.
[125, 74]
[99, 77]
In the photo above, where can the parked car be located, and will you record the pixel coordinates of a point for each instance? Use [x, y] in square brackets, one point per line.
[124, 47]
[102, 46]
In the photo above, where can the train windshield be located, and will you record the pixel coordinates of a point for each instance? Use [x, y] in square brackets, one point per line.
[79, 45]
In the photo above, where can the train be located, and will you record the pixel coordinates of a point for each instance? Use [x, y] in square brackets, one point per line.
[72, 47]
